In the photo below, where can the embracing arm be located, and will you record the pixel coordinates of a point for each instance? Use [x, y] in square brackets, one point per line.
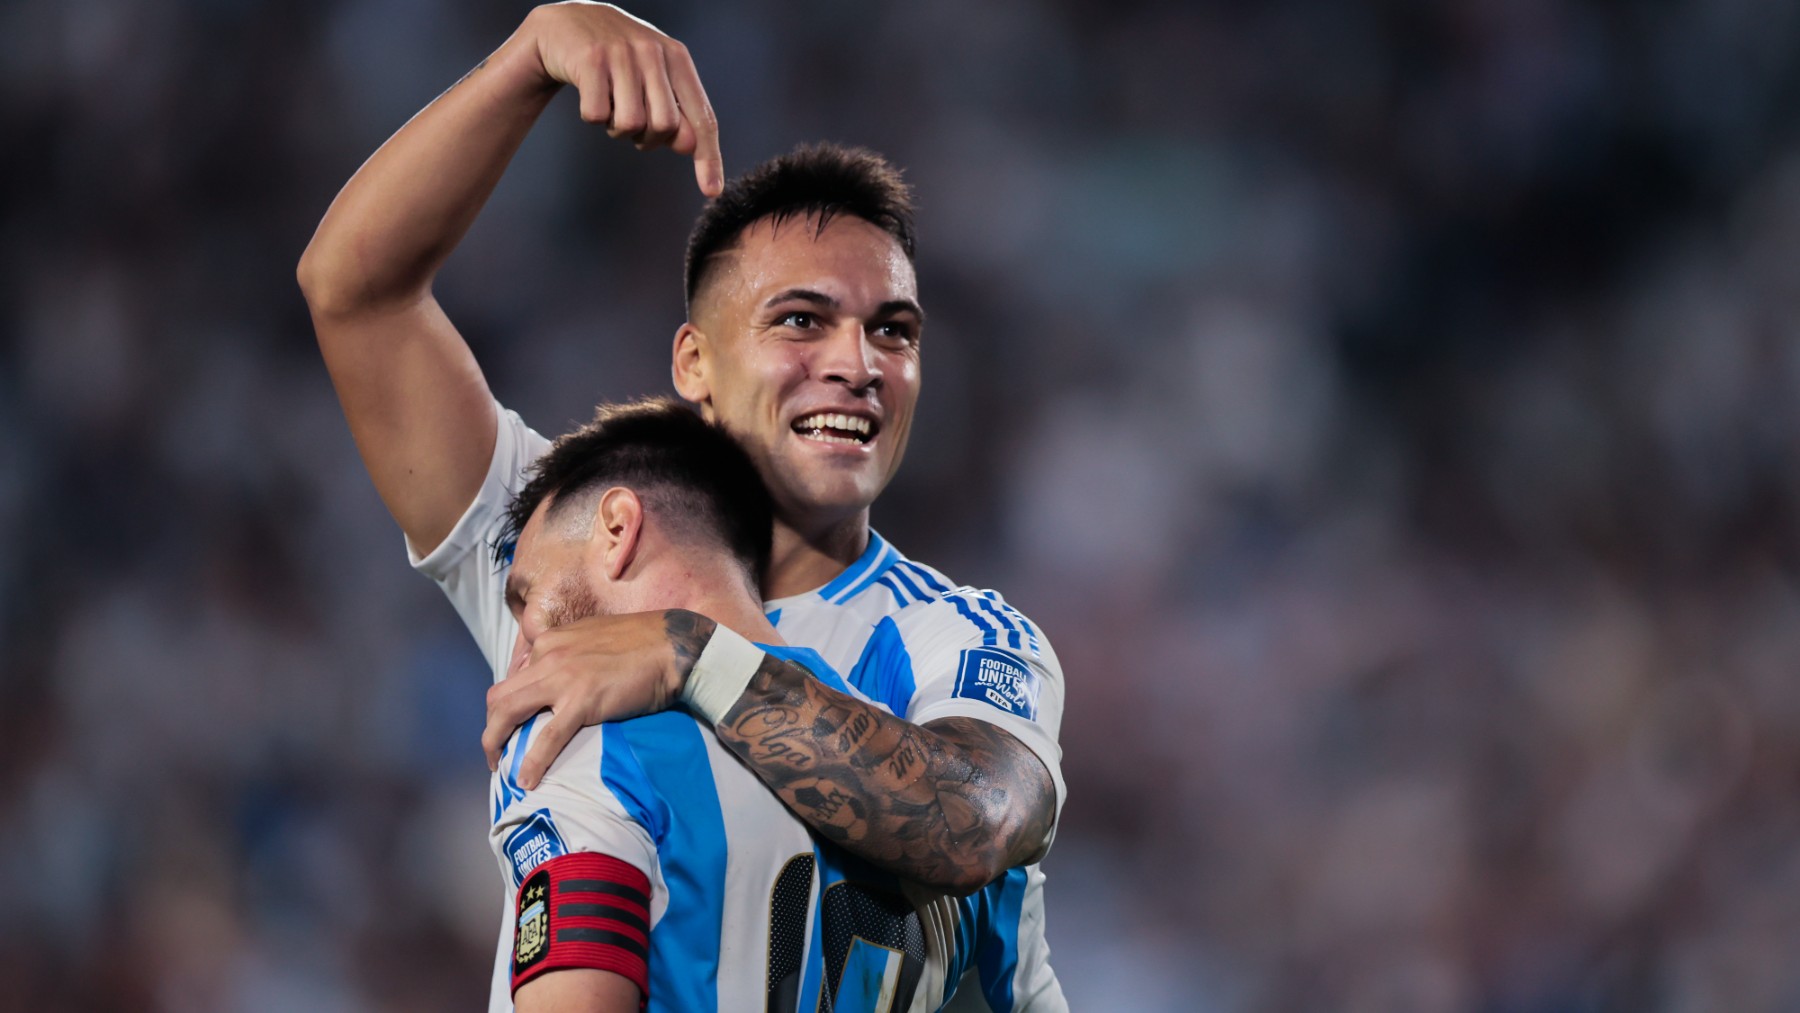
[417, 404]
[951, 804]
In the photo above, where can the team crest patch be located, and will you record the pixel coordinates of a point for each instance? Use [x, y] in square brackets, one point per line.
[1000, 679]
[531, 939]
[532, 844]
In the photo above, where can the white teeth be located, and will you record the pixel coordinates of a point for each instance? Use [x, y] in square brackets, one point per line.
[830, 420]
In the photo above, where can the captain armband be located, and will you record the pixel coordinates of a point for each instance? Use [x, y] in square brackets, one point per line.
[584, 909]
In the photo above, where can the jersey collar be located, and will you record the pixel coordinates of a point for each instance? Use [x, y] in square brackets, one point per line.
[875, 560]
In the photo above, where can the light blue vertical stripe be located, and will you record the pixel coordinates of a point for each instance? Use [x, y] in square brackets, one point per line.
[510, 791]
[664, 780]
[884, 672]
[998, 960]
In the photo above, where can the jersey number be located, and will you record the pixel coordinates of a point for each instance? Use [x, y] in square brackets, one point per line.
[874, 944]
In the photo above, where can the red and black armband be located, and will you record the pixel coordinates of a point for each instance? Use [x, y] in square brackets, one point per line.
[584, 910]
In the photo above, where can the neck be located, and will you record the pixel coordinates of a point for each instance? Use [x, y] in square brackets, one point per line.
[801, 560]
[717, 591]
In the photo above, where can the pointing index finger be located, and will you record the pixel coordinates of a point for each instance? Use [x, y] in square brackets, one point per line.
[696, 108]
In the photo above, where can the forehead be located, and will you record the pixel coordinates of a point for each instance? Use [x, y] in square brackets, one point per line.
[849, 259]
[525, 549]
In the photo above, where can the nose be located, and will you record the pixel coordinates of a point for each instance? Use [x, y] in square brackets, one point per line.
[849, 358]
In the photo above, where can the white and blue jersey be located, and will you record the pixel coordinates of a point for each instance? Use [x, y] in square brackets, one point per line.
[734, 905]
[907, 638]
[927, 648]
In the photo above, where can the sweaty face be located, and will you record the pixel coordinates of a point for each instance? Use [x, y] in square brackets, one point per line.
[811, 359]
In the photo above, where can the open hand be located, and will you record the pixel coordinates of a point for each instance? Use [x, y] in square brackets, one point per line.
[602, 668]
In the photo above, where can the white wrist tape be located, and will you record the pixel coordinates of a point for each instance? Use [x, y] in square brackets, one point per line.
[720, 674]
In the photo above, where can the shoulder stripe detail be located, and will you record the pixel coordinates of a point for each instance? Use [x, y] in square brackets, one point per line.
[924, 576]
[900, 599]
[995, 604]
[857, 570]
[870, 577]
[899, 574]
[1012, 631]
[989, 635]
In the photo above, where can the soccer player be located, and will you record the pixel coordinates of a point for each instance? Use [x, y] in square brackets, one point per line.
[803, 341]
[649, 863]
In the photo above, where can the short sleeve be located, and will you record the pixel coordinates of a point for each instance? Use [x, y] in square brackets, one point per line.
[975, 656]
[570, 811]
[463, 563]
[578, 865]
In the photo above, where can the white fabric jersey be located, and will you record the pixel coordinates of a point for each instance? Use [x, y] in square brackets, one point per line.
[902, 634]
[927, 648]
[746, 911]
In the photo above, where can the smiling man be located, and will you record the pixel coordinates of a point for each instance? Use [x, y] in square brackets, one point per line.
[803, 341]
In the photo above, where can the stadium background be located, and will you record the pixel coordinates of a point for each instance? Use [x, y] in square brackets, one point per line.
[1389, 409]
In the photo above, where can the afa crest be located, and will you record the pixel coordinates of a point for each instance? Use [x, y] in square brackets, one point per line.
[531, 938]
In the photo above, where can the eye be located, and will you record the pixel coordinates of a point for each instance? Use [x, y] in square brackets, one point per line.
[897, 331]
[797, 318]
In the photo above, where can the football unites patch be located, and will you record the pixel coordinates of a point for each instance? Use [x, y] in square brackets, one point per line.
[999, 678]
[533, 843]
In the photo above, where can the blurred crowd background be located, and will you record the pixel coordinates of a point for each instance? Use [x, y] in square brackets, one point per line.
[1388, 409]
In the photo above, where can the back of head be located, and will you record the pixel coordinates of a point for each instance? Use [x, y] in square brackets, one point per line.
[815, 180]
[691, 477]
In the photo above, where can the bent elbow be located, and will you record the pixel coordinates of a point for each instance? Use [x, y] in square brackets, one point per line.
[972, 878]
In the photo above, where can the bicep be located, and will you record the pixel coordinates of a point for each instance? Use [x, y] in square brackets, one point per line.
[577, 990]
[1007, 763]
[419, 410]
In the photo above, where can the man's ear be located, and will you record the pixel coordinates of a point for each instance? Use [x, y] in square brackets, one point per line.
[692, 366]
[618, 530]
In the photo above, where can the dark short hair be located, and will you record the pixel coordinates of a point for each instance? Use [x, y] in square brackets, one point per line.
[688, 472]
[814, 179]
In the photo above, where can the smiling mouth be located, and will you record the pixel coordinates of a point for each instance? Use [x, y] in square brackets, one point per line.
[844, 430]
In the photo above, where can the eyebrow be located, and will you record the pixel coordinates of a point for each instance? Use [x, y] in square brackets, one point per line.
[887, 309]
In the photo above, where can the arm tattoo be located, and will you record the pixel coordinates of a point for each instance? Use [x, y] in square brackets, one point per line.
[951, 806]
[688, 633]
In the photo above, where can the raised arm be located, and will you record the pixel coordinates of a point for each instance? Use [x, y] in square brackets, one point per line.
[417, 403]
[950, 804]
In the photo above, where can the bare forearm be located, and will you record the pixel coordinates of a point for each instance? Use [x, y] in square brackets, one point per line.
[951, 805]
[396, 221]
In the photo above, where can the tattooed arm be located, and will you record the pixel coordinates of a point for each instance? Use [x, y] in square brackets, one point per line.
[950, 804]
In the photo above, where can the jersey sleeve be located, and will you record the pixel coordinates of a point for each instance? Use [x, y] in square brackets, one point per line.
[975, 656]
[463, 563]
[578, 864]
